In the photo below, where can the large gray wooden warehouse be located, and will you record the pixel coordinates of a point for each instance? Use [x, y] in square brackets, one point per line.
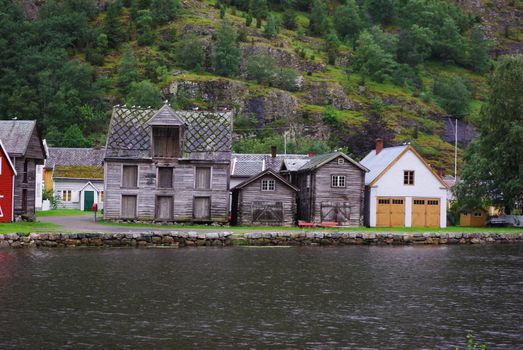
[165, 165]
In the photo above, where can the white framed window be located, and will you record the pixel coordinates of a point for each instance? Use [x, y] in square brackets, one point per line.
[268, 185]
[338, 181]
[408, 177]
[66, 195]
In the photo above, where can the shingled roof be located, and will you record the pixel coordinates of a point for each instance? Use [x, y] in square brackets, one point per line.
[60, 156]
[320, 160]
[129, 131]
[250, 164]
[15, 135]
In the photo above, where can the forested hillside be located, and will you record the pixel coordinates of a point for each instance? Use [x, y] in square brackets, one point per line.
[327, 74]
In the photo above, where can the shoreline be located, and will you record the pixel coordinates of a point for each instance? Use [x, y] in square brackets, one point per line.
[176, 239]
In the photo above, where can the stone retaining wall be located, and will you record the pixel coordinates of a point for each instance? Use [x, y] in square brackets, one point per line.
[177, 239]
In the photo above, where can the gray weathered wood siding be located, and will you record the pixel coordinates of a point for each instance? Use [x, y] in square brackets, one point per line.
[29, 186]
[183, 191]
[321, 191]
[253, 193]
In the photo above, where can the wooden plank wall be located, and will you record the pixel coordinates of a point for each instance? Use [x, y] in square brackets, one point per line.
[183, 190]
[20, 185]
[252, 192]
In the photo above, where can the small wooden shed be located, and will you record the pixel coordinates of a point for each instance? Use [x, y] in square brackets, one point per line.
[473, 217]
[264, 199]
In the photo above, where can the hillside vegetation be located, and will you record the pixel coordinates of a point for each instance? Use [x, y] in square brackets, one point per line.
[327, 74]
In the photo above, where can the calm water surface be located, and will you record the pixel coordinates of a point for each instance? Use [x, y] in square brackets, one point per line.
[259, 298]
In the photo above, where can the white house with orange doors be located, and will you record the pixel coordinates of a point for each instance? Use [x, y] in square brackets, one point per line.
[402, 190]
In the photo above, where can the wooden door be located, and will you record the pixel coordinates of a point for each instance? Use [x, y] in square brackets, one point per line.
[432, 213]
[335, 212]
[202, 208]
[128, 207]
[397, 212]
[88, 200]
[419, 212]
[267, 212]
[425, 212]
[390, 212]
[164, 208]
[383, 212]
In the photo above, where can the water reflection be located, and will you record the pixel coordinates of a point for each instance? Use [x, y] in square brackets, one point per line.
[318, 298]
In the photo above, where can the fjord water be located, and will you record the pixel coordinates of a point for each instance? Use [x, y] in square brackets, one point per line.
[241, 297]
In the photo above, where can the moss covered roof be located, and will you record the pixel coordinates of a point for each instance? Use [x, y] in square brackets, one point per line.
[79, 172]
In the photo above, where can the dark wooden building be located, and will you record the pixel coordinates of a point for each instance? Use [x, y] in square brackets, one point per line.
[166, 165]
[26, 150]
[331, 190]
[264, 199]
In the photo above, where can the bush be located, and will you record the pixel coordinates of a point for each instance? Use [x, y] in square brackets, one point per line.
[144, 93]
[189, 52]
[226, 55]
[261, 68]
[289, 19]
[452, 94]
[288, 79]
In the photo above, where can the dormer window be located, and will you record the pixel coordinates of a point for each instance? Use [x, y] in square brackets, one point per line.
[167, 142]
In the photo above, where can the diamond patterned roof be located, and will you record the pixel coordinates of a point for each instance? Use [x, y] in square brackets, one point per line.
[129, 132]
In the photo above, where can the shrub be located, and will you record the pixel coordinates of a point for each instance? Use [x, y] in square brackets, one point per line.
[452, 94]
[261, 68]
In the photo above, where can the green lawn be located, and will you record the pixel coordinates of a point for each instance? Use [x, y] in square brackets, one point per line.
[62, 212]
[26, 227]
[241, 229]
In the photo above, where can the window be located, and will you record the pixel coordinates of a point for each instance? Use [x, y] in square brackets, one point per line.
[268, 185]
[165, 177]
[128, 207]
[203, 178]
[101, 198]
[130, 176]
[166, 142]
[66, 196]
[478, 214]
[419, 202]
[383, 201]
[25, 171]
[433, 202]
[397, 201]
[341, 161]
[408, 177]
[338, 181]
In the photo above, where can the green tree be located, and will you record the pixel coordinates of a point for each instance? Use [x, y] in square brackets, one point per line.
[448, 42]
[259, 9]
[272, 28]
[226, 55]
[371, 60]
[479, 48]
[113, 27]
[144, 93]
[347, 21]
[164, 11]
[189, 52]
[144, 24]
[319, 23]
[74, 137]
[493, 170]
[261, 68]
[289, 19]
[248, 19]
[415, 45]
[332, 45]
[223, 9]
[127, 71]
[452, 94]
[381, 11]
[288, 79]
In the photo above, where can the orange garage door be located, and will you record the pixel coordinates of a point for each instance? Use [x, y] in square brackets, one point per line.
[425, 212]
[390, 212]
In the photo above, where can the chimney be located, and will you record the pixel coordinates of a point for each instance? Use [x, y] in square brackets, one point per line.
[379, 145]
[273, 151]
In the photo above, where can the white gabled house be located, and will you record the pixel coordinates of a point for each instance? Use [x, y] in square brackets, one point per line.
[402, 190]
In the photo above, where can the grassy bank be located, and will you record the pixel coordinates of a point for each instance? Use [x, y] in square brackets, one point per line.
[62, 212]
[26, 227]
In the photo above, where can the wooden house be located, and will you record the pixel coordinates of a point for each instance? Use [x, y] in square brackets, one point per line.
[76, 176]
[264, 199]
[331, 190]
[402, 190]
[473, 218]
[26, 150]
[7, 183]
[166, 165]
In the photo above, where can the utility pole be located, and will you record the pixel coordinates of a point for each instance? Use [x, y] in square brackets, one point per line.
[285, 141]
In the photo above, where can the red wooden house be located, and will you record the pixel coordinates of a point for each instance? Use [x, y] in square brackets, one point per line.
[7, 181]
